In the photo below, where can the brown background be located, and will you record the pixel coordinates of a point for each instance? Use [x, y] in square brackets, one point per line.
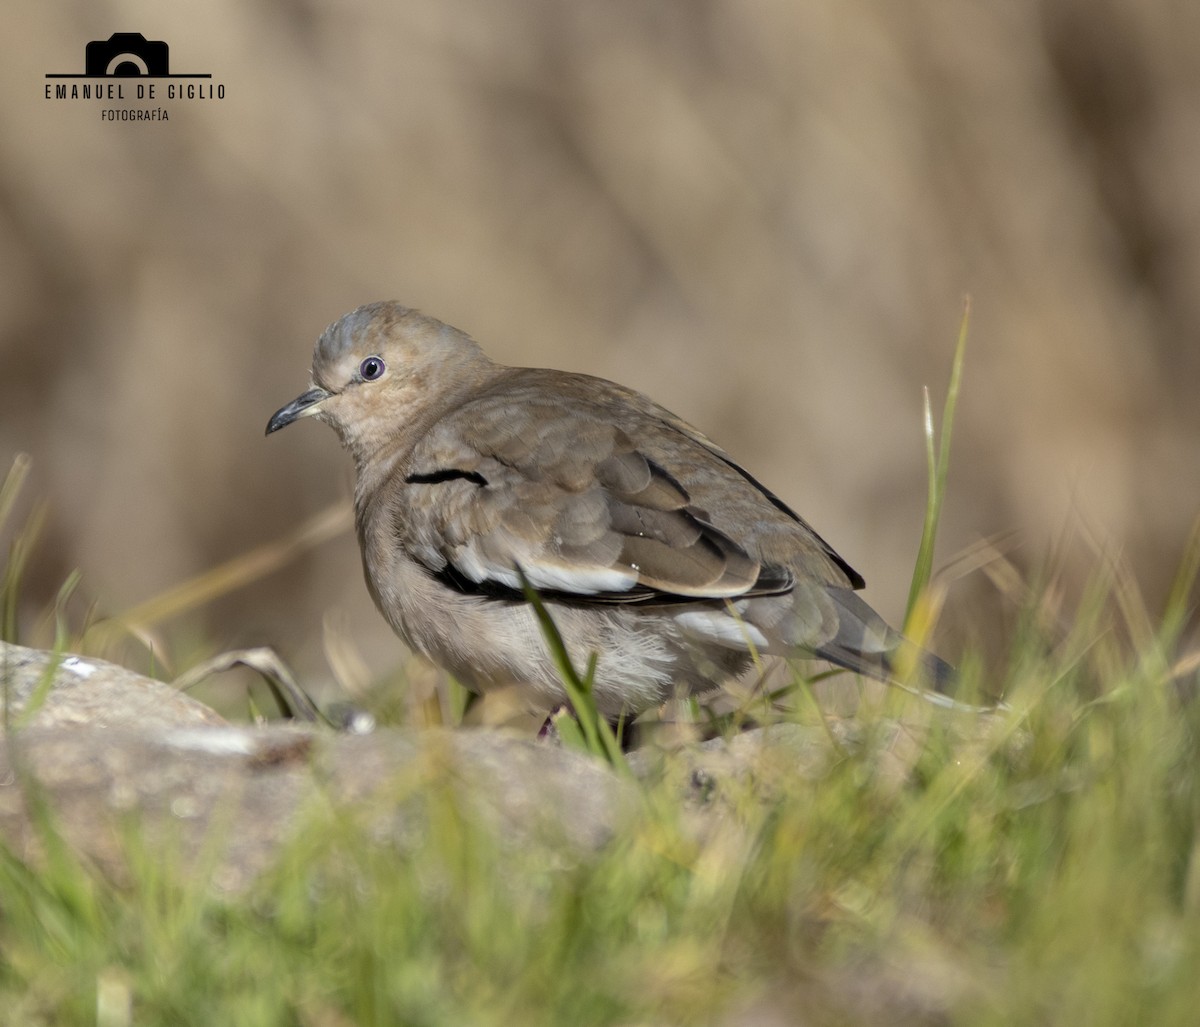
[764, 214]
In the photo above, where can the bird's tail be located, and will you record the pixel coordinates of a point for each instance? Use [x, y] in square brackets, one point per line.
[864, 643]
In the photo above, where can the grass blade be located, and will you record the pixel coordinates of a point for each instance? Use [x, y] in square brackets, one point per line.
[12, 485]
[598, 736]
[18, 556]
[38, 696]
[938, 467]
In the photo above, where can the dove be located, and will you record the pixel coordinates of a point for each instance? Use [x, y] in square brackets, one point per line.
[648, 544]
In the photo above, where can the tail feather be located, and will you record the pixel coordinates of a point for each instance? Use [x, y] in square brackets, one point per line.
[930, 670]
[865, 644]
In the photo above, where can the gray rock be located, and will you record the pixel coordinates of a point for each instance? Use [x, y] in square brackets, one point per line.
[96, 751]
[43, 689]
[224, 799]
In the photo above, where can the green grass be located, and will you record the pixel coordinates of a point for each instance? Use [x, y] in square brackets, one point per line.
[1042, 869]
[1039, 865]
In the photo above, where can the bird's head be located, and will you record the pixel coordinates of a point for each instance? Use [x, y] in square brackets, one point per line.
[379, 369]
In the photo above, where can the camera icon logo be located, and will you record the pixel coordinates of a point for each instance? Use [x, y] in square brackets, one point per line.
[126, 54]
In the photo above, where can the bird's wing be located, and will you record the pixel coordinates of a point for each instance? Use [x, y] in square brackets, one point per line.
[535, 484]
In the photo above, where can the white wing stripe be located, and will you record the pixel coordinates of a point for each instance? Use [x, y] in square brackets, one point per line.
[550, 576]
[717, 626]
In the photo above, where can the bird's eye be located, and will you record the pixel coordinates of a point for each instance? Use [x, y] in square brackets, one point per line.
[371, 368]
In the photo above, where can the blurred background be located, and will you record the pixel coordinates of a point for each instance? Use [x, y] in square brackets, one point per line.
[764, 214]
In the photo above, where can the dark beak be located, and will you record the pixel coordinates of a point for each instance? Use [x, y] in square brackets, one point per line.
[301, 406]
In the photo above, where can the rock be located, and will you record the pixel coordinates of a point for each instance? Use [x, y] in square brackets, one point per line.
[78, 691]
[101, 750]
[225, 799]
[763, 761]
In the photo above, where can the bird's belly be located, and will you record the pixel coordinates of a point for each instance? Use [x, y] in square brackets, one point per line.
[643, 655]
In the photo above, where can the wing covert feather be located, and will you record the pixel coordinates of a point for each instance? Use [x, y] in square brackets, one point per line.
[574, 503]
